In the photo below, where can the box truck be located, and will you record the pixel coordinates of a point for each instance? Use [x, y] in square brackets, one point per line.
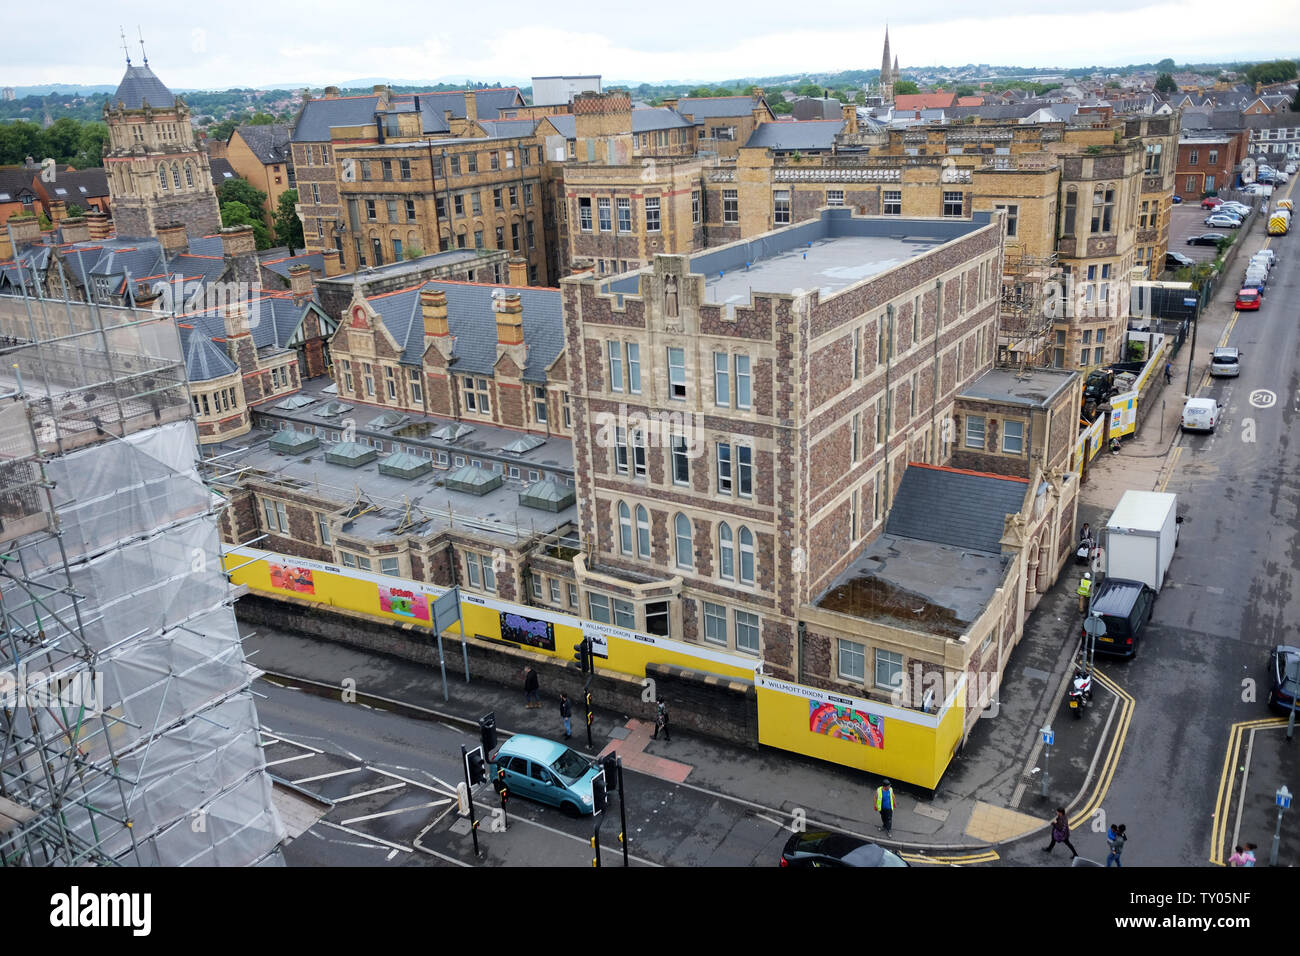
[1141, 536]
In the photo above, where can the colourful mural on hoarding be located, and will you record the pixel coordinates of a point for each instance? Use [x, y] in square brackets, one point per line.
[404, 603]
[289, 578]
[846, 723]
[526, 630]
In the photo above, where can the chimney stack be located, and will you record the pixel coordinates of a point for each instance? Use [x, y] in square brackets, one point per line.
[331, 92]
[519, 271]
[58, 211]
[75, 230]
[510, 317]
[173, 238]
[850, 118]
[26, 231]
[471, 107]
[98, 222]
[300, 283]
[433, 304]
[145, 295]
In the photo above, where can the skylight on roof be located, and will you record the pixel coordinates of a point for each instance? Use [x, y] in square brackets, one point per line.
[59, 190]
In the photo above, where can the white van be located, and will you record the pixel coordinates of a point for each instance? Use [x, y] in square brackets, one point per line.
[1201, 415]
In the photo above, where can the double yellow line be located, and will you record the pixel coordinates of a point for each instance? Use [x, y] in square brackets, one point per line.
[1108, 766]
[1227, 783]
[987, 856]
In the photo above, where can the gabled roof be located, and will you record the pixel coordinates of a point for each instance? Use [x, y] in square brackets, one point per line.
[504, 128]
[472, 321]
[319, 115]
[204, 358]
[925, 101]
[80, 185]
[715, 107]
[964, 509]
[270, 143]
[314, 260]
[794, 134]
[644, 121]
[139, 86]
[565, 124]
[221, 171]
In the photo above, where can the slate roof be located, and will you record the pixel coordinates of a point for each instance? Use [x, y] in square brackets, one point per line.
[644, 121]
[315, 260]
[958, 508]
[318, 116]
[80, 185]
[472, 321]
[270, 143]
[504, 128]
[204, 358]
[715, 107]
[140, 85]
[786, 134]
[15, 180]
[221, 171]
[565, 124]
[272, 319]
[924, 101]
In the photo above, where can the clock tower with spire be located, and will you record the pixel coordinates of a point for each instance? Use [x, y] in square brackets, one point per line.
[158, 175]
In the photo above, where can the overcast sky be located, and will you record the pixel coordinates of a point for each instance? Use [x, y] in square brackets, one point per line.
[247, 44]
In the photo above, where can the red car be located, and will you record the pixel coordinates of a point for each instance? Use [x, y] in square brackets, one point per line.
[1247, 299]
[1209, 202]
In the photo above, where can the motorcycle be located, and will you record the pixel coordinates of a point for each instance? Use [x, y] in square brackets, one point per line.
[1084, 553]
[1080, 691]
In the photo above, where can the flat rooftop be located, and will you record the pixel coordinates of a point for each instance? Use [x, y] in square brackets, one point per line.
[552, 458]
[497, 513]
[1035, 388]
[827, 254]
[917, 585]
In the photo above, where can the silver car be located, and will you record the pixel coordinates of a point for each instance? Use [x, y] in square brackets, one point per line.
[1225, 361]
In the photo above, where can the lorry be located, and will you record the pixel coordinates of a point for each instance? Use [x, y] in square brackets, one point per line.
[1141, 536]
[1279, 222]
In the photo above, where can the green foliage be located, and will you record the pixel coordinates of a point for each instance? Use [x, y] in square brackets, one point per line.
[45, 222]
[1136, 351]
[779, 105]
[74, 211]
[905, 88]
[1166, 65]
[66, 141]
[965, 90]
[1165, 84]
[260, 119]
[861, 98]
[412, 252]
[238, 214]
[241, 191]
[1295, 103]
[809, 89]
[223, 129]
[20, 140]
[288, 227]
[1274, 71]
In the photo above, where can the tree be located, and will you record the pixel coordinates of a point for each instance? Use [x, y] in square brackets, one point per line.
[1275, 71]
[965, 90]
[241, 191]
[1166, 65]
[288, 227]
[1165, 84]
[809, 89]
[63, 139]
[20, 140]
[1295, 103]
[75, 211]
[238, 214]
[90, 146]
[905, 88]
[260, 119]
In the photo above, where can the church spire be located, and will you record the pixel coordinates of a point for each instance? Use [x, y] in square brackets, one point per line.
[125, 48]
[884, 61]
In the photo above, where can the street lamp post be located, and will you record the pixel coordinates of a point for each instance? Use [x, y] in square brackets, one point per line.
[1283, 800]
[1049, 737]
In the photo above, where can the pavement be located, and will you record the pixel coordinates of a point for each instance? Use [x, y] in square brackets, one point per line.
[993, 804]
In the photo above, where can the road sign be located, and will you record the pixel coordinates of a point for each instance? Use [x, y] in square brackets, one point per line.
[1049, 736]
[446, 610]
[1094, 626]
[1283, 798]
[1190, 303]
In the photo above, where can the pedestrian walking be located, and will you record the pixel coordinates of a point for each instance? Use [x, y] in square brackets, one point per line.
[1169, 372]
[1116, 838]
[1085, 589]
[1248, 857]
[1237, 858]
[566, 712]
[530, 689]
[1060, 833]
[661, 720]
[885, 806]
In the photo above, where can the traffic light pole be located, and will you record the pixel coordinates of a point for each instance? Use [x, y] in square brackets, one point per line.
[587, 689]
[469, 793]
[622, 809]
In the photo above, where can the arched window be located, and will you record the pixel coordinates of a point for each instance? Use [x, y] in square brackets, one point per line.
[176, 175]
[189, 176]
[726, 552]
[746, 556]
[685, 553]
[624, 528]
[162, 177]
[642, 532]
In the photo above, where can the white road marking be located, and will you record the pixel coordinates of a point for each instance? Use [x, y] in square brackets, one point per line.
[366, 836]
[415, 783]
[276, 763]
[585, 841]
[778, 823]
[443, 856]
[390, 813]
[391, 854]
[326, 776]
[287, 740]
[366, 793]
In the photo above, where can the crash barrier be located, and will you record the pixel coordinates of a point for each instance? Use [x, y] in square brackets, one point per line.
[1126, 407]
[903, 743]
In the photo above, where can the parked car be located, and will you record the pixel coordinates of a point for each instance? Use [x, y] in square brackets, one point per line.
[1223, 221]
[1248, 300]
[1125, 608]
[1282, 688]
[1209, 202]
[1225, 361]
[1177, 200]
[546, 771]
[1291, 168]
[827, 848]
[1266, 255]
[1257, 271]
[1176, 260]
[1201, 415]
[1241, 209]
[1205, 239]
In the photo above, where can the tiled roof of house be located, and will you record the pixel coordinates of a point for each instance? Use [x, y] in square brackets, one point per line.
[790, 134]
[924, 101]
[959, 508]
[221, 171]
[645, 121]
[138, 86]
[204, 358]
[714, 107]
[270, 143]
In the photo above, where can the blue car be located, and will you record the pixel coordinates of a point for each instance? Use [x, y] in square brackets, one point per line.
[546, 771]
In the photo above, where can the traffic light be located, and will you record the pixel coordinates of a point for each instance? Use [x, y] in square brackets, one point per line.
[599, 795]
[475, 766]
[487, 732]
[582, 654]
[612, 769]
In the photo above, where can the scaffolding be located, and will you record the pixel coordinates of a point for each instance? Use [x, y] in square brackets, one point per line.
[128, 732]
[1028, 308]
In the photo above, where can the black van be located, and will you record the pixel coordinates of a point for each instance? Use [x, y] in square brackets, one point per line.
[1125, 608]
